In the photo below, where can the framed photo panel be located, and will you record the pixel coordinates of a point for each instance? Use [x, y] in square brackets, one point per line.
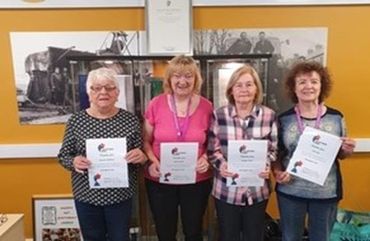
[169, 27]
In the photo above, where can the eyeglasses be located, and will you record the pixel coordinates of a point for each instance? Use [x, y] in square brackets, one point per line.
[178, 76]
[3, 218]
[99, 88]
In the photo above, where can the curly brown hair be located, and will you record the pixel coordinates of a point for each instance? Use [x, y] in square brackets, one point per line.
[308, 67]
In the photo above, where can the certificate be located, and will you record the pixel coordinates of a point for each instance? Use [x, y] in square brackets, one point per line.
[169, 27]
[314, 155]
[108, 167]
[246, 158]
[178, 162]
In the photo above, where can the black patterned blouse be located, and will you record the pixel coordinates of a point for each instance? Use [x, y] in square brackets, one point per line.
[82, 126]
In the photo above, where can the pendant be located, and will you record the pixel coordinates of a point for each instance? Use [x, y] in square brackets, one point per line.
[179, 133]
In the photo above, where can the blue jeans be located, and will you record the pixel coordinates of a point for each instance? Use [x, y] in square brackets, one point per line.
[238, 223]
[101, 223]
[321, 218]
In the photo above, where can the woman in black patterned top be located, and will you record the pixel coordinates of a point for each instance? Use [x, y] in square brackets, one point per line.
[103, 213]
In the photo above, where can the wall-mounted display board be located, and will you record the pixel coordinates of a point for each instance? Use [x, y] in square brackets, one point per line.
[172, 19]
[141, 3]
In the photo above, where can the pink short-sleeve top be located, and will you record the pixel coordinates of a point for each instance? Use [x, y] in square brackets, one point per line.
[161, 117]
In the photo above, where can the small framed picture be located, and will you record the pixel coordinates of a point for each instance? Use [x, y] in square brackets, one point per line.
[169, 27]
[55, 218]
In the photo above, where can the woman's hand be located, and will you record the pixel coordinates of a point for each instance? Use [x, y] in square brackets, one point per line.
[224, 172]
[202, 164]
[154, 169]
[136, 156]
[266, 173]
[348, 145]
[81, 164]
[282, 177]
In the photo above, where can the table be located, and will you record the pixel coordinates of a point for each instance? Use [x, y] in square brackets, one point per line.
[12, 229]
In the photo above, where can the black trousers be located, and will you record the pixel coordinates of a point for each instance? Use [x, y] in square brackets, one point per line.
[165, 201]
[241, 223]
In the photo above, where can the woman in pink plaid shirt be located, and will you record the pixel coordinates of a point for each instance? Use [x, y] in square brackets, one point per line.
[241, 208]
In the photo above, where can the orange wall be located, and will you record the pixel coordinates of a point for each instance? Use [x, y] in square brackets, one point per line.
[348, 59]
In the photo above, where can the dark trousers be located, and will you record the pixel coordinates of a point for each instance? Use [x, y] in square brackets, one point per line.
[241, 223]
[165, 201]
[102, 223]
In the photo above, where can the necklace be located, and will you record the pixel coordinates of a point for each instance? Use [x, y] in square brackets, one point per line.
[299, 118]
[180, 129]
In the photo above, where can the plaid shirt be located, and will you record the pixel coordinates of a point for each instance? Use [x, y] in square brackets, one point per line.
[226, 125]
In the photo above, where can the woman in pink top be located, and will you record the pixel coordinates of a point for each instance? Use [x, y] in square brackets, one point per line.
[177, 116]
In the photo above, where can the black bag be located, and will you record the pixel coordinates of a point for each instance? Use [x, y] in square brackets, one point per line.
[273, 231]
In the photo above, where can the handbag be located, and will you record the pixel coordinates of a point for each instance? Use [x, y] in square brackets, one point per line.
[351, 226]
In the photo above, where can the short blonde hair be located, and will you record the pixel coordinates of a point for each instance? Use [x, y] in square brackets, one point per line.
[182, 64]
[101, 73]
[246, 69]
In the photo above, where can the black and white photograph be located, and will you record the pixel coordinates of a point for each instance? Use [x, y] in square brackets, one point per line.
[49, 88]
[47, 91]
[284, 46]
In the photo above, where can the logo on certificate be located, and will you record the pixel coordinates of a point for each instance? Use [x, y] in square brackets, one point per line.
[168, 174]
[243, 149]
[175, 151]
[97, 176]
[103, 148]
[316, 139]
[233, 179]
[296, 165]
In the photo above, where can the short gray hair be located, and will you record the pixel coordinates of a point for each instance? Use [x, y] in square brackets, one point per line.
[101, 73]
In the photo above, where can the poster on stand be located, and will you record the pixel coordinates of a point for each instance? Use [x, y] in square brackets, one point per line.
[55, 218]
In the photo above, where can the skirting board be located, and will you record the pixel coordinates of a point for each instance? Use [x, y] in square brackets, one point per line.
[50, 150]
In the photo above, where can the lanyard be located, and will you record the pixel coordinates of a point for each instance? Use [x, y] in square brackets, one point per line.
[299, 118]
[180, 129]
